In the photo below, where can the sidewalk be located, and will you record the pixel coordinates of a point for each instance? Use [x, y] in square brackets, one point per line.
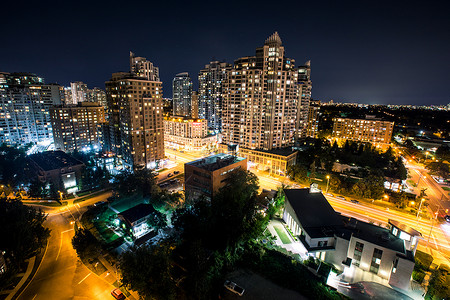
[30, 267]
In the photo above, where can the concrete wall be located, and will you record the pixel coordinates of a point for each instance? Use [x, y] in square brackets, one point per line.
[402, 276]
[339, 255]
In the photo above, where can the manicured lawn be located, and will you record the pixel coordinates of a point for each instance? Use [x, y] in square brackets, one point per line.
[446, 188]
[282, 234]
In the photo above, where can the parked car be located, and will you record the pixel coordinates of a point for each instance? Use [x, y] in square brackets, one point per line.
[340, 197]
[117, 293]
[354, 201]
[233, 287]
[447, 218]
[100, 203]
[176, 172]
[169, 175]
[172, 181]
[330, 194]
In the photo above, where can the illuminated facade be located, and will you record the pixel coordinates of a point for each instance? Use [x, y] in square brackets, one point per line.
[183, 133]
[370, 130]
[312, 125]
[305, 86]
[25, 101]
[194, 105]
[77, 127]
[261, 99]
[210, 91]
[182, 95]
[135, 109]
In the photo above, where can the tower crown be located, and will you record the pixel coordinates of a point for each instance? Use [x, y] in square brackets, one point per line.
[274, 39]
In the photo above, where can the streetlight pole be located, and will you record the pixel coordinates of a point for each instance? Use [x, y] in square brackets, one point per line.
[328, 183]
[420, 177]
[431, 229]
[418, 211]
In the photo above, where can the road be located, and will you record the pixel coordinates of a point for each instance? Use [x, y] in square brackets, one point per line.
[61, 275]
[437, 234]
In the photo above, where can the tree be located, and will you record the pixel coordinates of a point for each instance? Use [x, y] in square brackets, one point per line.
[157, 220]
[22, 231]
[85, 244]
[148, 270]
[37, 189]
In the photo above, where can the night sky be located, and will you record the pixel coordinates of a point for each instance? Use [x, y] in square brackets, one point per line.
[360, 51]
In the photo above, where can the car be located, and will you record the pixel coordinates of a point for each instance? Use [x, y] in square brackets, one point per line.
[340, 197]
[169, 175]
[172, 181]
[330, 194]
[117, 293]
[176, 172]
[100, 203]
[447, 218]
[354, 201]
[233, 287]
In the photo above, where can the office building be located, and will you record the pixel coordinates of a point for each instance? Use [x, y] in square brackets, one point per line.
[204, 177]
[136, 118]
[57, 168]
[369, 130]
[182, 95]
[77, 127]
[261, 99]
[25, 101]
[358, 249]
[210, 93]
[182, 133]
[305, 87]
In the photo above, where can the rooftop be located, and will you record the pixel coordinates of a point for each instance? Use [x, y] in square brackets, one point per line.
[52, 160]
[405, 228]
[137, 212]
[313, 211]
[215, 162]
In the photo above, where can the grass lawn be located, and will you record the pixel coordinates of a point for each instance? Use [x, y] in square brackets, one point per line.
[446, 188]
[282, 234]
[49, 203]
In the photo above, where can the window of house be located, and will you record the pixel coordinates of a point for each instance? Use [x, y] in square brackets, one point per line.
[358, 253]
[376, 260]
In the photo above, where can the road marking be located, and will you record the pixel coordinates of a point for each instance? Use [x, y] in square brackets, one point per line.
[34, 297]
[60, 244]
[84, 278]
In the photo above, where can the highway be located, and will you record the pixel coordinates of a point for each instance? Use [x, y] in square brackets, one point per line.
[61, 275]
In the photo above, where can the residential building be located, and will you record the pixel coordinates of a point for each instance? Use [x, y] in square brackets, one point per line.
[182, 133]
[77, 127]
[79, 92]
[194, 105]
[305, 87]
[261, 99]
[135, 220]
[210, 93]
[312, 126]
[204, 177]
[361, 250]
[136, 118]
[57, 168]
[182, 95]
[370, 130]
[142, 68]
[25, 101]
[275, 161]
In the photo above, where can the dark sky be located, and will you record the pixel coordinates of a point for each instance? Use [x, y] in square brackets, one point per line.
[387, 52]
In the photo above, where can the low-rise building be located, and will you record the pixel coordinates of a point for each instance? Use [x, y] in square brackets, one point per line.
[352, 246]
[135, 220]
[58, 168]
[183, 133]
[368, 130]
[205, 176]
[275, 161]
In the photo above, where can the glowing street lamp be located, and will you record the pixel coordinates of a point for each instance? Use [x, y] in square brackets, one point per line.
[328, 183]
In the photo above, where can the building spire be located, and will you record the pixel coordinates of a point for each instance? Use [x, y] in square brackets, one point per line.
[273, 39]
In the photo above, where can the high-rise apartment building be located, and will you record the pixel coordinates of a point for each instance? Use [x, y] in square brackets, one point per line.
[261, 99]
[194, 105]
[79, 92]
[312, 125]
[136, 116]
[305, 87]
[77, 127]
[182, 95]
[211, 80]
[370, 130]
[142, 68]
[25, 101]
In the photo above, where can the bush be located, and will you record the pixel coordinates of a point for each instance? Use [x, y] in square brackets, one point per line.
[423, 261]
[418, 276]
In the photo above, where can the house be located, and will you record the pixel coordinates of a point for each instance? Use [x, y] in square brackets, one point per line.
[57, 167]
[135, 220]
[352, 246]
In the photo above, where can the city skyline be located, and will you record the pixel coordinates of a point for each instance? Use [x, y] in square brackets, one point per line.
[367, 53]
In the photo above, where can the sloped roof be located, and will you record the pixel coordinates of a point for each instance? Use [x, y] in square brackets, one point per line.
[137, 212]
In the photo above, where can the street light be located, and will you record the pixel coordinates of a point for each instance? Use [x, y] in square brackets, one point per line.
[328, 183]
[420, 176]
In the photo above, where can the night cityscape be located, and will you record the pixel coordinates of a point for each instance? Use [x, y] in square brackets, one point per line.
[225, 151]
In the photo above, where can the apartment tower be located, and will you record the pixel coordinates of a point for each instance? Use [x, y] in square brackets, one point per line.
[261, 99]
[182, 95]
[210, 93]
[135, 108]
